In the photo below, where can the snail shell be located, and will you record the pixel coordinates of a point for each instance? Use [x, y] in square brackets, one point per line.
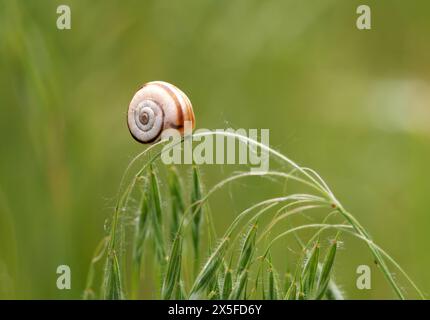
[158, 106]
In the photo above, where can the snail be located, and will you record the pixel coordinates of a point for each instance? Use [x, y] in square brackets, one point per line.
[155, 107]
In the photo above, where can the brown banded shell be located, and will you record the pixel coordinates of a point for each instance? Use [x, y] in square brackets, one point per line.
[158, 106]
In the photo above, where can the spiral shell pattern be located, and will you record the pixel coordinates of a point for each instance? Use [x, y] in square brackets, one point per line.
[158, 106]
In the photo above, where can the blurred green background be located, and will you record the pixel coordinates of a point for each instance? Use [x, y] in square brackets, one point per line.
[354, 105]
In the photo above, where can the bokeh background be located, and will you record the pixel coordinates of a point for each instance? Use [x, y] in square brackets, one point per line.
[354, 105]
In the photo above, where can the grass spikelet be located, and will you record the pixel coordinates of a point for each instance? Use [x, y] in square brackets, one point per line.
[239, 285]
[196, 197]
[180, 293]
[176, 199]
[157, 216]
[273, 289]
[209, 270]
[211, 278]
[173, 273]
[309, 273]
[227, 284]
[89, 293]
[291, 292]
[326, 268]
[247, 250]
[139, 239]
[288, 279]
[245, 257]
[112, 287]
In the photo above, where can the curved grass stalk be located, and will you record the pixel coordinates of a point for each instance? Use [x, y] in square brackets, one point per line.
[265, 209]
[312, 171]
[241, 138]
[306, 226]
[218, 186]
[321, 226]
[317, 234]
[292, 204]
[226, 238]
[360, 230]
[253, 174]
[263, 147]
[391, 259]
[244, 139]
[134, 160]
[310, 178]
[211, 260]
[97, 256]
[287, 214]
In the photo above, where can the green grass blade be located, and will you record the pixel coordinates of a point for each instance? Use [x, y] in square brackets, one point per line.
[89, 293]
[173, 273]
[180, 293]
[239, 286]
[176, 198]
[327, 266]
[292, 292]
[273, 290]
[209, 271]
[247, 250]
[196, 197]
[309, 273]
[139, 241]
[112, 287]
[288, 279]
[157, 216]
[227, 284]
